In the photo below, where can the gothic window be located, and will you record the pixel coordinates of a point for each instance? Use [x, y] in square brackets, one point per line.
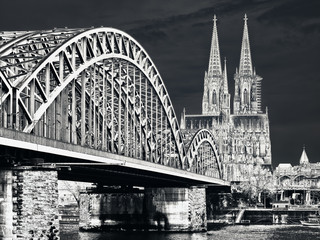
[214, 97]
[245, 96]
[208, 95]
[252, 95]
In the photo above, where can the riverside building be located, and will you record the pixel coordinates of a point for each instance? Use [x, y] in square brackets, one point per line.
[300, 185]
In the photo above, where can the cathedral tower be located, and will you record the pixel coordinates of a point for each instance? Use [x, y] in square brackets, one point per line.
[247, 96]
[215, 87]
[242, 137]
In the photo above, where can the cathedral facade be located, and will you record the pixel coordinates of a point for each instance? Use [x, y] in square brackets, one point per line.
[242, 135]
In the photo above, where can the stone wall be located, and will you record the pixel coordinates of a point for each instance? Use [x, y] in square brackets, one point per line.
[31, 212]
[6, 218]
[197, 209]
[35, 204]
[177, 209]
[85, 212]
[111, 210]
[169, 209]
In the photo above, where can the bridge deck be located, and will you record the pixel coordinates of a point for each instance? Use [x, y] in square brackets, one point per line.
[75, 162]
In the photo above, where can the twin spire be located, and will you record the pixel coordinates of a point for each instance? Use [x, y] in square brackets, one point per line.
[214, 60]
[245, 67]
[216, 93]
[214, 68]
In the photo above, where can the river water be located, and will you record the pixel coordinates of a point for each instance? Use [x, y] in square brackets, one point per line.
[252, 232]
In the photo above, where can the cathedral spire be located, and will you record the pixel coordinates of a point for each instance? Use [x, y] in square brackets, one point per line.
[225, 78]
[247, 98]
[225, 96]
[245, 67]
[214, 60]
[304, 158]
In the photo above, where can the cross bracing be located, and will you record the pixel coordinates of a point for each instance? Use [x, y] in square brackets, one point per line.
[97, 88]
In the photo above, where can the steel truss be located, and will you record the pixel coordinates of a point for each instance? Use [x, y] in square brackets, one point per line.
[97, 88]
[204, 154]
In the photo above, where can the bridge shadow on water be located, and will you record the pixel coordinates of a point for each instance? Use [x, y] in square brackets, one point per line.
[253, 232]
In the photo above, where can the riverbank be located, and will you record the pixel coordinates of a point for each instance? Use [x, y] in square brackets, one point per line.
[227, 217]
[266, 216]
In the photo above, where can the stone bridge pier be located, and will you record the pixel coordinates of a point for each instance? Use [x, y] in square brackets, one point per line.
[165, 209]
[177, 209]
[29, 203]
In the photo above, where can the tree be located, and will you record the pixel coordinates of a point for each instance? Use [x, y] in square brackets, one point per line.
[260, 181]
[75, 188]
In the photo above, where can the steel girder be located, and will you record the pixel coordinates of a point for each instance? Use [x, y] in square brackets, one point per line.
[203, 151]
[93, 87]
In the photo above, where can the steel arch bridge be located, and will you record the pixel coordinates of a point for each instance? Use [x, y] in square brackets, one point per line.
[97, 88]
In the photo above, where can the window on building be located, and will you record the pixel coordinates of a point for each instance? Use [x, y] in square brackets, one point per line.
[246, 96]
[214, 97]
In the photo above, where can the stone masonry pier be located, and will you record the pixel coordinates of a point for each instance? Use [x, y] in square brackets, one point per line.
[29, 204]
[168, 209]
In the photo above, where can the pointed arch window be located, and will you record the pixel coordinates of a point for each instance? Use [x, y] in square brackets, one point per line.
[252, 94]
[245, 96]
[214, 97]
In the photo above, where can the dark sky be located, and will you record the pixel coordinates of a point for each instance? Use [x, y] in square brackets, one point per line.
[284, 39]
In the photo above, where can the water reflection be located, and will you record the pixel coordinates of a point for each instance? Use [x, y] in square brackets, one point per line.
[253, 232]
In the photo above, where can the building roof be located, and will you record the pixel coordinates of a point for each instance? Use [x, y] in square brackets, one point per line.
[285, 165]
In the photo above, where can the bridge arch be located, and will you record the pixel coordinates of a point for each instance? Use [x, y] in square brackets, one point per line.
[203, 154]
[97, 88]
[56, 75]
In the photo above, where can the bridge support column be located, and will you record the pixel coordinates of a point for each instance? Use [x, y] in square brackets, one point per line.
[177, 209]
[29, 204]
[112, 209]
[6, 206]
[168, 209]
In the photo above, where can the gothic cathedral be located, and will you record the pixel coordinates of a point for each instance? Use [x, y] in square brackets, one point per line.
[243, 136]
